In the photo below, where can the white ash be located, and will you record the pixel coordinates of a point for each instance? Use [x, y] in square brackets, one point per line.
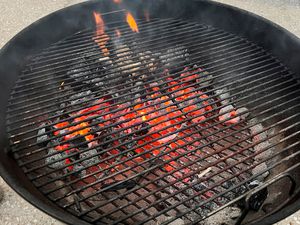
[57, 156]
[244, 113]
[205, 78]
[226, 216]
[161, 219]
[225, 112]
[89, 161]
[42, 136]
[174, 55]
[260, 168]
[81, 97]
[227, 108]
[223, 95]
[261, 138]
[266, 153]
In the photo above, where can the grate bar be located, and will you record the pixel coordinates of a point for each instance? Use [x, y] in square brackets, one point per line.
[232, 188]
[116, 67]
[163, 39]
[163, 89]
[202, 169]
[164, 114]
[261, 91]
[250, 76]
[102, 80]
[244, 128]
[80, 48]
[157, 79]
[236, 132]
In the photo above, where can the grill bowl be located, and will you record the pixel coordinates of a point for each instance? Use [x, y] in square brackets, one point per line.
[66, 22]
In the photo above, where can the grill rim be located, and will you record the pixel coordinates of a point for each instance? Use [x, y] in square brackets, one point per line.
[13, 175]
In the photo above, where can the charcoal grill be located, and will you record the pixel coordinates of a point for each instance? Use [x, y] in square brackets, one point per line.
[192, 117]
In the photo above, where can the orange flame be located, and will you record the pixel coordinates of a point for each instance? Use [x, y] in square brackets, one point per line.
[100, 38]
[131, 22]
[117, 1]
[118, 33]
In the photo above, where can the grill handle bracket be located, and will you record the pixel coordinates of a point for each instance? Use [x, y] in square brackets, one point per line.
[263, 188]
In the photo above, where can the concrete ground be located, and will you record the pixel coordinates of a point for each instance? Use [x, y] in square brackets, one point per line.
[17, 14]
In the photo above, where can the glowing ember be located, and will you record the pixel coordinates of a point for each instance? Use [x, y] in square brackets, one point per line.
[117, 1]
[100, 37]
[160, 124]
[131, 22]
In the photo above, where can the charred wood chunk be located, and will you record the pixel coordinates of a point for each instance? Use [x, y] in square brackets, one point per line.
[79, 142]
[143, 129]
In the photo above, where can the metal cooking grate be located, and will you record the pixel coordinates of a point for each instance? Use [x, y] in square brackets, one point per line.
[70, 87]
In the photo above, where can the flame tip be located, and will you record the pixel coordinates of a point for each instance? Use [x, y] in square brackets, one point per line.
[131, 22]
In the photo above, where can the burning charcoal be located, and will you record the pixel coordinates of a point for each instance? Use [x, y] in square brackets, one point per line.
[260, 168]
[42, 137]
[223, 95]
[90, 161]
[244, 111]
[228, 112]
[51, 158]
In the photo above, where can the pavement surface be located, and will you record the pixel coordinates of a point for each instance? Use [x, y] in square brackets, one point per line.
[17, 14]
